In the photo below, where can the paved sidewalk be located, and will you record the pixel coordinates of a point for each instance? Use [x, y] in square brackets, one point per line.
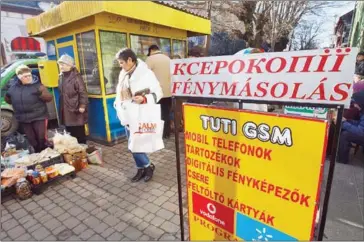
[101, 204]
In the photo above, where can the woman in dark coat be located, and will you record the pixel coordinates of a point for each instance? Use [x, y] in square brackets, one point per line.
[28, 98]
[73, 99]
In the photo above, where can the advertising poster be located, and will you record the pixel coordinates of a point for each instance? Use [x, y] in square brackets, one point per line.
[307, 111]
[322, 76]
[252, 176]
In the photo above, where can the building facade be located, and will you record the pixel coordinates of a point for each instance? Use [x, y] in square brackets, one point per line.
[15, 42]
[357, 32]
[342, 29]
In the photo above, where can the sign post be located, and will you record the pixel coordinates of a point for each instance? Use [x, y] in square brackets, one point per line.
[250, 175]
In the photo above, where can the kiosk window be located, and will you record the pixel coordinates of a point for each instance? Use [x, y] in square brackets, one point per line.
[89, 66]
[179, 48]
[140, 45]
[111, 43]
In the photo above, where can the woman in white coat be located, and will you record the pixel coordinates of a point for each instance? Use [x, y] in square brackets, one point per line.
[139, 84]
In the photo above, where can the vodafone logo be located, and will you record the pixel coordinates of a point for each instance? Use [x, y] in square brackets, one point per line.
[214, 212]
[211, 208]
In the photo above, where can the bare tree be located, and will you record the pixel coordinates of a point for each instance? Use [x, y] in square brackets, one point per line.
[259, 21]
[305, 35]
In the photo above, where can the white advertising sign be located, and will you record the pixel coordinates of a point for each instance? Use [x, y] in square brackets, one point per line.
[322, 76]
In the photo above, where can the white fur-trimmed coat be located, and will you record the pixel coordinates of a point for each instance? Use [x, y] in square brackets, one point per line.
[142, 78]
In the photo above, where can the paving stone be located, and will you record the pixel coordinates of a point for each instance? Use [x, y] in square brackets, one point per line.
[163, 213]
[19, 213]
[51, 238]
[5, 217]
[44, 219]
[16, 232]
[87, 234]
[59, 229]
[96, 237]
[34, 227]
[144, 238]
[25, 219]
[100, 228]
[157, 221]
[40, 233]
[67, 206]
[79, 229]
[25, 237]
[31, 206]
[52, 224]
[71, 222]
[83, 216]
[44, 202]
[2, 235]
[149, 217]
[167, 237]
[142, 202]
[64, 234]
[57, 211]
[126, 216]
[160, 200]
[50, 207]
[120, 227]
[140, 212]
[107, 232]
[115, 237]
[88, 206]
[12, 206]
[151, 198]
[111, 220]
[74, 238]
[151, 207]
[101, 215]
[175, 219]
[170, 206]
[63, 216]
[132, 233]
[10, 224]
[169, 227]
[91, 221]
[156, 192]
[154, 232]
[142, 226]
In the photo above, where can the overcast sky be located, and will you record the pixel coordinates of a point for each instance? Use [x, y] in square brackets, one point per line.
[330, 20]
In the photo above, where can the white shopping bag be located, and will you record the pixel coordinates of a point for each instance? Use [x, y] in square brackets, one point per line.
[122, 111]
[146, 128]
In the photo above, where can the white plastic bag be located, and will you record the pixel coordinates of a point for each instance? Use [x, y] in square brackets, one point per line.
[145, 128]
[122, 109]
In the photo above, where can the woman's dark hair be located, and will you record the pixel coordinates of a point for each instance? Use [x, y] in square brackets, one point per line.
[127, 53]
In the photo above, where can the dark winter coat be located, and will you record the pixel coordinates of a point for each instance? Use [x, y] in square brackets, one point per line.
[28, 101]
[356, 126]
[73, 96]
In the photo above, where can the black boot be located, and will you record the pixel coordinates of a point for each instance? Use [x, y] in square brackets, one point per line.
[149, 173]
[140, 174]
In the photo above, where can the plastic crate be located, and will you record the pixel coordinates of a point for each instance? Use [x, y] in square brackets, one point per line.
[50, 162]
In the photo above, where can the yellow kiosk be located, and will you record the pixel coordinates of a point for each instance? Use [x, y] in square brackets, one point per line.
[94, 31]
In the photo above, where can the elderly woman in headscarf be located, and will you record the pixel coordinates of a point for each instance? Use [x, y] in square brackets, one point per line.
[73, 99]
[28, 98]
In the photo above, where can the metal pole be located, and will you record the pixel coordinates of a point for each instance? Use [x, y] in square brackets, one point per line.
[330, 177]
[178, 164]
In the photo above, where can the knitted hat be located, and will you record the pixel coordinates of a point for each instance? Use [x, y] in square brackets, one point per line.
[358, 98]
[22, 69]
[66, 59]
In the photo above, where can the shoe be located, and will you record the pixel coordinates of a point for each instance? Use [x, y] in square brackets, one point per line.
[140, 174]
[149, 173]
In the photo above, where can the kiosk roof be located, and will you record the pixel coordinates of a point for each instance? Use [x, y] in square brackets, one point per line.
[148, 11]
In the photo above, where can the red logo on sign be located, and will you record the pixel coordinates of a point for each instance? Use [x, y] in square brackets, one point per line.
[213, 212]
